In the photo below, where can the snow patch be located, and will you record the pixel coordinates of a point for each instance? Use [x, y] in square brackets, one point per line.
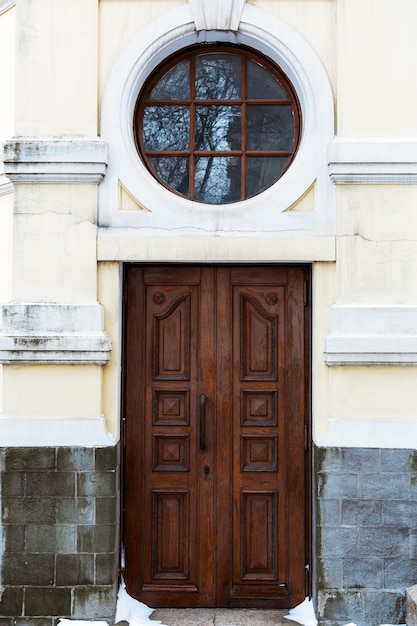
[303, 614]
[130, 610]
[79, 622]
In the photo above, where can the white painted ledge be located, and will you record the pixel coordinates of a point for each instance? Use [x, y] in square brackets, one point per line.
[372, 161]
[118, 245]
[53, 332]
[5, 5]
[372, 334]
[5, 185]
[48, 431]
[366, 433]
[55, 160]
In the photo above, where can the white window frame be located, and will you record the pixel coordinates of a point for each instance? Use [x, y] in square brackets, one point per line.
[269, 212]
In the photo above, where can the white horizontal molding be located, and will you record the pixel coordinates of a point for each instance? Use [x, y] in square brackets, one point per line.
[372, 334]
[55, 160]
[217, 14]
[87, 432]
[53, 332]
[372, 161]
[5, 5]
[369, 433]
[5, 185]
[113, 245]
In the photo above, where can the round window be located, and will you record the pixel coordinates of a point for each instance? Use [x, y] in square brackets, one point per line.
[217, 124]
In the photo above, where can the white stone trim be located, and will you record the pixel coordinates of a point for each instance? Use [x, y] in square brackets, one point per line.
[372, 334]
[5, 185]
[373, 161]
[369, 433]
[53, 332]
[217, 14]
[55, 160]
[49, 431]
[268, 212]
[5, 5]
[115, 246]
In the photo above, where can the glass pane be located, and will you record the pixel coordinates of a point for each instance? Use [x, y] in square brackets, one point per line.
[217, 179]
[270, 127]
[174, 172]
[218, 127]
[166, 128]
[218, 77]
[261, 172]
[262, 84]
[174, 85]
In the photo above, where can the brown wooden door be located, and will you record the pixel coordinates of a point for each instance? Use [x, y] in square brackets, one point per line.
[215, 402]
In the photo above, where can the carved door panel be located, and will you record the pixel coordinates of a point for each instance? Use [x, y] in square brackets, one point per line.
[215, 417]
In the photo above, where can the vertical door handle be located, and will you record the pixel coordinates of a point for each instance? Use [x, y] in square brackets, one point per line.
[203, 422]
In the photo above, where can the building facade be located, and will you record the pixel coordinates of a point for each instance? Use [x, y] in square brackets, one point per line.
[117, 288]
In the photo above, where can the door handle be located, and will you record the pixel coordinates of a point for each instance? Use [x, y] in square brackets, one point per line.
[203, 400]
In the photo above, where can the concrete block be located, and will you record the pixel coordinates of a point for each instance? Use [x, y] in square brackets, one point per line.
[75, 510]
[94, 539]
[98, 484]
[361, 460]
[11, 602]
[28, 569]
[32, 459]
[74, 569]
[411, 605]
[50, 484]
[385, 486]
[47, 601]
[94, 602]
[361, 512]
[75, 459]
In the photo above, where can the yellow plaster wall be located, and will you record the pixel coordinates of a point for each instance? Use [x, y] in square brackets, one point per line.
[315, 20]
[7, 52]
[55, 243]
[376, 66]
[119, 20]
[52, 391]
[56, 69]
[377, 243]
[109, 291]
[373, 393]
[324, 295]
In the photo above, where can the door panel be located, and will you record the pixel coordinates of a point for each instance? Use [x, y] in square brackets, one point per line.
[215, 411]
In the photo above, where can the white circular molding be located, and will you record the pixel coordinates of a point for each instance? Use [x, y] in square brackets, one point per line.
[268, 212]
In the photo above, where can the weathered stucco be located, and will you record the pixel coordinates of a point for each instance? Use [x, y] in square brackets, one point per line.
[78, 204]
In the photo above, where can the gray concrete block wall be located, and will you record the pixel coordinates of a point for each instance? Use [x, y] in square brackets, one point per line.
[365, 534]
[60, 527]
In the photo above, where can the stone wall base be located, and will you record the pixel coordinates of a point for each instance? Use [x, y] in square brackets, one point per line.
[60, 532]
[365, 534]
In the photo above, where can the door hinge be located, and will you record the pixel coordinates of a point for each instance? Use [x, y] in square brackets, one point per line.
[306, 289]
[124, 431]
[307, 572]
[305, 437]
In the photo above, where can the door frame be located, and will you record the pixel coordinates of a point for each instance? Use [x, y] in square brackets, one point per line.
[308, 305]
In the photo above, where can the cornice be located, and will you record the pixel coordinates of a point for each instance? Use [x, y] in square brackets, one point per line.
[372, 334]
[55, 160]
[53, 332]
[380, 161]
[5, 5]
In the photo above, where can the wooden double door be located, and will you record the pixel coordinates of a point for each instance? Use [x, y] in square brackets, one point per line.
[215, 439]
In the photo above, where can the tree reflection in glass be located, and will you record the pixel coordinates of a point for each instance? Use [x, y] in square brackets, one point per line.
[218, 126]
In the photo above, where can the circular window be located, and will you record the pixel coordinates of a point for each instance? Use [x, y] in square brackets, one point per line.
[217, 125]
